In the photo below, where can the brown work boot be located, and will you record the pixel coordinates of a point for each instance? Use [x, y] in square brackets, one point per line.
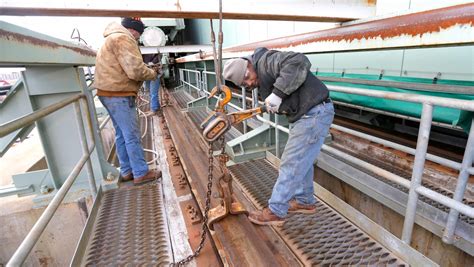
[148, 177]
[265, 217]
[127, 177]
[296, 207]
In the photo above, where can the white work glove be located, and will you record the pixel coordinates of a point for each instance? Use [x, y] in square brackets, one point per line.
[272, 102]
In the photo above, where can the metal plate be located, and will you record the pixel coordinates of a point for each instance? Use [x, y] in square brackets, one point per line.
[130, 229]
[182, 98]
[325, 238]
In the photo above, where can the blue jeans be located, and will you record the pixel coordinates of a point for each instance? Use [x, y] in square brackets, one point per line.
[127, 134]
[154, 86]
[295, 178]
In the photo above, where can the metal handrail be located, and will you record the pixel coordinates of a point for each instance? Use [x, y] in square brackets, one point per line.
[415, 187]
[35, 233]
[34, 116]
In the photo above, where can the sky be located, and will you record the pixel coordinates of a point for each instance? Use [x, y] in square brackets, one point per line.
[90, 28]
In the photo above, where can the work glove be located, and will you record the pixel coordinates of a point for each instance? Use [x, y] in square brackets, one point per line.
[272, 102]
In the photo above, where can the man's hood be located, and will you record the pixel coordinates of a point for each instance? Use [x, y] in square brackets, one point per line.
[115, 27]
[257, 54]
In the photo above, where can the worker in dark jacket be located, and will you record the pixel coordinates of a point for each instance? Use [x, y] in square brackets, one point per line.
[285, 82]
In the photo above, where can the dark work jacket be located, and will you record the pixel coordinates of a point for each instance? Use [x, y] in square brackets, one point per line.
[153, 58]
[288, 75]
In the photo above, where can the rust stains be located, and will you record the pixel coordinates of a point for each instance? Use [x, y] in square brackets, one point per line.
[12, 36]
[416, 24]
[178, 13]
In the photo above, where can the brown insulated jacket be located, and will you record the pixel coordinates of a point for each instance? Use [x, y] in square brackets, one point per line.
[119, 67]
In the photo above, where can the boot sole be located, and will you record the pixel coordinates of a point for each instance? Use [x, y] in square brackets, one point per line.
[144, 181]
[303, 211]
[273, 223]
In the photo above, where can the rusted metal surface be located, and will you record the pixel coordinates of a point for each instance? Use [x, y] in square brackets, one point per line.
[238, 241]
[188, 205]
[401, 166]
[41, 48]
[130, 229]
[439, 27]
[320, 10]
[325, 238]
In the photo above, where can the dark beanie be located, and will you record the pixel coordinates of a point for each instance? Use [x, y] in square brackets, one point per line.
[133, 23]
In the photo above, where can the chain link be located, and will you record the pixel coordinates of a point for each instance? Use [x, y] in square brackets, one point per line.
[210, 177]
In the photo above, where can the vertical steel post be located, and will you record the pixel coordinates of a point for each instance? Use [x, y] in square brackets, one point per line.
[244, 106]
[418, 166]
[277, 137]
[85, 149]
[448, 235]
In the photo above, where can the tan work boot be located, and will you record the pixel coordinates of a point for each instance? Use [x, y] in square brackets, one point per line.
[148, 177]
[265, 217]
[127, 177]
[295, 207]
[151, 113]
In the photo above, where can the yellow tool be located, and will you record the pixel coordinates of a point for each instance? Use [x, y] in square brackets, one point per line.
[219, 122]
[214, 127]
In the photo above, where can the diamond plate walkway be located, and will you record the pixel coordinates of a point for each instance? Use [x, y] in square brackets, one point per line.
[323, 239]
[130, 229]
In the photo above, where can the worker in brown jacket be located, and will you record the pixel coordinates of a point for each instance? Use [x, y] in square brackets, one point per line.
[119, 73]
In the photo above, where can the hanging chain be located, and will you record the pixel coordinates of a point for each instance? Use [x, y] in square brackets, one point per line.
[218, 68]
[207, 205]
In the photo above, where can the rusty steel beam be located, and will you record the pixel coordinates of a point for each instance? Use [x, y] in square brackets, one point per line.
[239, 242]
[294, 10]
[21, 47]
[448, 26]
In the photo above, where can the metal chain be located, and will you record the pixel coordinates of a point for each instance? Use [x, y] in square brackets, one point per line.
[207, 205]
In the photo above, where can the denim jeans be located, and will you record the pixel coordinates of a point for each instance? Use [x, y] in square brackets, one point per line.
[295, 177]
[154, 86]
[127, 134]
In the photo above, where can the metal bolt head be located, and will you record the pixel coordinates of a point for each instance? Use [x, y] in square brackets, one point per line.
[110, 177]
[44, 189]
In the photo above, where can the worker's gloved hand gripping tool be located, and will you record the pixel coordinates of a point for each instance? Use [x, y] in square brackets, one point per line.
[215, 126]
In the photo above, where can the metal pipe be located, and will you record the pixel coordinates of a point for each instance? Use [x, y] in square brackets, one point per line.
[102, 125]
[405, 85]
[418, 166]
[277, 137]
[372, 168]
[279, 127]
[85, 150]
[244, 106]
[432, 100]
[396, 115]
[35, 233]
[35, 115]
[448, 235]
[448, 202]
[411, 151]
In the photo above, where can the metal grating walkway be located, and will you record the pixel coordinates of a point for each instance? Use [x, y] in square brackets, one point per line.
[182, 98]
[130, 229]
[325, 238]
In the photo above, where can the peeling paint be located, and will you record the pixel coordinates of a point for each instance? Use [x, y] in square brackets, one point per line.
[12, 36]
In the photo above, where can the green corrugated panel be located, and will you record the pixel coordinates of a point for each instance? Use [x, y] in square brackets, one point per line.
[450, 116]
